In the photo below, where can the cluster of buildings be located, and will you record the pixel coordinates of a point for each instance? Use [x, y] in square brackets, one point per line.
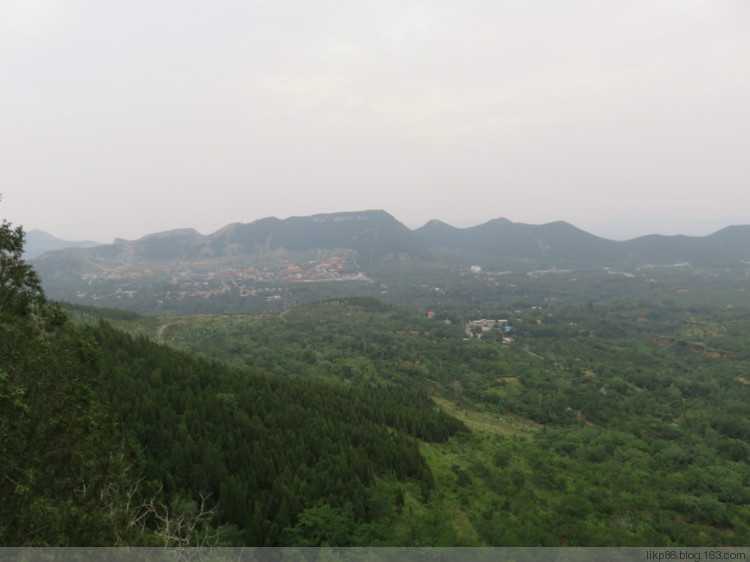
[283, 271]
[207, 279]
[476, 328]
[331, 268]
[120, 273]
[188, 275]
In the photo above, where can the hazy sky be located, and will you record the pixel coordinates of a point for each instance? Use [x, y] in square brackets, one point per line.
[121, 118]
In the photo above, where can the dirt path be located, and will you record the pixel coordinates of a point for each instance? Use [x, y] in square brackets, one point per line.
[160, 333]
[527, 350]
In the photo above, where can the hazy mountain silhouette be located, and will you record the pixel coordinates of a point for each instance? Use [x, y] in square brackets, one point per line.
[39, 242]
[375, 235]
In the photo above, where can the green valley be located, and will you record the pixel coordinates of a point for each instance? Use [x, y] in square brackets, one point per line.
[598, 423]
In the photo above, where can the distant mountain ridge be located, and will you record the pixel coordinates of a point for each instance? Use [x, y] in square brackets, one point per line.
[39, 242]
[371, 234]
[375, 235]
[501, 237]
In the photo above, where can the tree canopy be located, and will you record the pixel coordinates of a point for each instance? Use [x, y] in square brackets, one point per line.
[20, 286]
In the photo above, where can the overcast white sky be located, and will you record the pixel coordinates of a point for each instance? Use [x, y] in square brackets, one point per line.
[623, 117]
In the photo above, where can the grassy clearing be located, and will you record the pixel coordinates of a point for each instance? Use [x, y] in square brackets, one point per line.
[487, 422]
[465, 468]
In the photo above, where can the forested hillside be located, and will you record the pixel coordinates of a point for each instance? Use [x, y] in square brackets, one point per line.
[262, 448]
[109, 440]
[65, 474]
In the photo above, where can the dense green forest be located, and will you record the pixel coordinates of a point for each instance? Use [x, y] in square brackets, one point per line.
[265, 447]
[64, 471]
[589, 409]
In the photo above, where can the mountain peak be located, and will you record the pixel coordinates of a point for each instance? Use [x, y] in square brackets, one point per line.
[349, 216]
[436, 223]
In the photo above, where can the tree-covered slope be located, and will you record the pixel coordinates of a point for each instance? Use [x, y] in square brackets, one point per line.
[263, 448]
[64, 474]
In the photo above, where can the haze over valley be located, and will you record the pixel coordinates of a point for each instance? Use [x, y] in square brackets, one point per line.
[266, 264]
